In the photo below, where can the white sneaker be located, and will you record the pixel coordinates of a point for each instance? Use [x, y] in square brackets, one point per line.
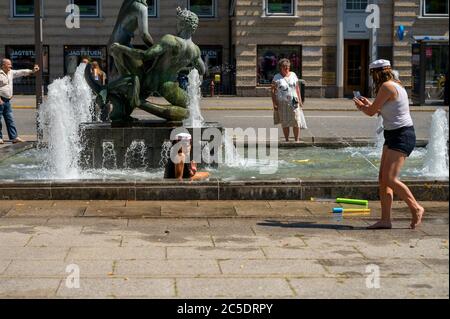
[1, 141]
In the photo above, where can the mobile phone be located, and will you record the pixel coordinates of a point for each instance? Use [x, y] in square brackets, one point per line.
[357, 95]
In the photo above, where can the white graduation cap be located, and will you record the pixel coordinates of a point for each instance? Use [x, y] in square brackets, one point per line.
[379, 64]
[183, 137]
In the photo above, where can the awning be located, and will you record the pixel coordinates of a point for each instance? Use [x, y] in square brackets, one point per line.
[430, 38]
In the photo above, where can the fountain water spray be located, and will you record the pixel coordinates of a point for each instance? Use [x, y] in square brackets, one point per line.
[379, 142]
[69, 103]
[232, 157]
[165, 154]
[135, 155]
[206, 152]
[377, 150]
[195, 94]
[436, 160]
[109, 156]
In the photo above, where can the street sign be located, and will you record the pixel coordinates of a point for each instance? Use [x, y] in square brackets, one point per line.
[401, 32]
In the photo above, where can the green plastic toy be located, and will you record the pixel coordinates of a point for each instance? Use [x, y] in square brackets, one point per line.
[361, 202]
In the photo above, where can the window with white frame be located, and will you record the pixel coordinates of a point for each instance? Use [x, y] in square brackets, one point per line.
[88, 8]
[152, 8]
[279, 7]
[23, 8]
[203, 8]
[434, 8]
[356, 5]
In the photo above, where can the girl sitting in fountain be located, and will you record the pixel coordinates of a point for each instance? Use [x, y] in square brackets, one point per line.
[176, 165]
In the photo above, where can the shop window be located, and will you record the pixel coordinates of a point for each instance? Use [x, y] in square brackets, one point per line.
[24, 8]
[203, 8]
[429, 72]
[356, 5]
[434, 8]
[73, 54]
[280, 7]
[152, 8]
[23, 57]
[268, 57]
[436, 71]
[212, 57]
[88, 8]
[386, 53]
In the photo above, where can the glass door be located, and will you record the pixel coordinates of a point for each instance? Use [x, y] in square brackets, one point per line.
[436, 71]
[355, 68]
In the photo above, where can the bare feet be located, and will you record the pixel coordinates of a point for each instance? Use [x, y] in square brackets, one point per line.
[17, 140]
[382, 224]
[417, 217]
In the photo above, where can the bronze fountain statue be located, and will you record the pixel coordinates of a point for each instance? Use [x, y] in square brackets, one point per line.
[153, 71]
[138, 75]
[133, 15]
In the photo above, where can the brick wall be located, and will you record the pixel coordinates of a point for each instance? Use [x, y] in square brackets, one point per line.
[251, 30]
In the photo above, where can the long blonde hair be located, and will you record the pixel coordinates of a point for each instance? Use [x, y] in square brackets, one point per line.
[382, 75]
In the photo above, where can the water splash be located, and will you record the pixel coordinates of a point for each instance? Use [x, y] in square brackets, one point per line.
[135, 156]
[232, 157]
[69, 103]
[109, 156]
[165, 154]
[349, 147]
[436, 159]
[206, 152]
[194, 91]
[377, 150]
[379, 137]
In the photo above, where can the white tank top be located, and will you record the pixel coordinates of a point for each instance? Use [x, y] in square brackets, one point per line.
[396, 113]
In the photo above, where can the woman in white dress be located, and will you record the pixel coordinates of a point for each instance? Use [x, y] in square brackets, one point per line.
[287, 100]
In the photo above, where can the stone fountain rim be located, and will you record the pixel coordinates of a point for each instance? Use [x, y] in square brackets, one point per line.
[429, 190]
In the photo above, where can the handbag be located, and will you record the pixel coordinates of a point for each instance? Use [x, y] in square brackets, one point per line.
[300, 118]
[294, 102]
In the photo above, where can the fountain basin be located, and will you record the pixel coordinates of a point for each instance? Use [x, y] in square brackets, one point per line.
[214, 189]
[149, 137]
[329, 172]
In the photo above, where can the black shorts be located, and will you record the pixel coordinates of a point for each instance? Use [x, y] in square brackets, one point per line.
[402, 139]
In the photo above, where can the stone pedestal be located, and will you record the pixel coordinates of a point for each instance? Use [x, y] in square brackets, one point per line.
[138, 145]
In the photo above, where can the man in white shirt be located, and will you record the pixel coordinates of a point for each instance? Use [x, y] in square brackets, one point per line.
[7, 75]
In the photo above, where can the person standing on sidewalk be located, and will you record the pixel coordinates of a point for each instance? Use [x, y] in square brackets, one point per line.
[287, 100]
[392, 104]
[7, 75]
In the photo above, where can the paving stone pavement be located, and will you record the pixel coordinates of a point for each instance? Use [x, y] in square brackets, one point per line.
[267, 250]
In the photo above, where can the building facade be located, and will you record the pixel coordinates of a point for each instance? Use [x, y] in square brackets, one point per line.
[330, 43]
[64, 47]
